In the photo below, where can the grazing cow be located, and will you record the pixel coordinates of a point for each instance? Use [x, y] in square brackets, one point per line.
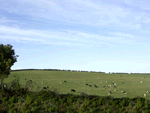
[87, 84]
[114, 86]
[110, 92]
[25, 79]
[95, 86]
[112, 83]
[64, 81]
[72, 90]
[14, 76]
[30, 81]
[123, 92]
[109, 85]
[90, 85]
[44, 88]
[122, 82]
[104, 86]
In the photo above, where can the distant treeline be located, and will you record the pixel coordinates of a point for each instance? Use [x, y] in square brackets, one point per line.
[131, 73]
[54, 70]
[73, 71]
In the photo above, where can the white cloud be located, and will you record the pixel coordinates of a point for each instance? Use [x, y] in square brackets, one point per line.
[98, 14]
[91, 13]
[138, 3]
[122, 34]
[4, 20]
[84, 39]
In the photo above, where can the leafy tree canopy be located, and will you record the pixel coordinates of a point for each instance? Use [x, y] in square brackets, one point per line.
[7, 59]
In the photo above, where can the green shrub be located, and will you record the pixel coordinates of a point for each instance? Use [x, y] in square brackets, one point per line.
[11, 105]
[28, 111]
[94, 104]
[35, 109]
[50, 109]
[4, 99]
[55, 99]
[108, 110]
[36, 103]
[146, 106]
[12, 99]
[57, 109]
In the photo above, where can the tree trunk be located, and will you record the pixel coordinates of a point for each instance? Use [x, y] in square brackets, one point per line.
[2, 86]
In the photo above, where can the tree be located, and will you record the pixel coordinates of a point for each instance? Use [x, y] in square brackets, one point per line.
[7, 59]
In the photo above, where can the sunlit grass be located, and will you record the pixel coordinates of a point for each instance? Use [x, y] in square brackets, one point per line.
[77, 80]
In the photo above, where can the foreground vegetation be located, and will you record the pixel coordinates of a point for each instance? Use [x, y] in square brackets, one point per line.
[18, 98]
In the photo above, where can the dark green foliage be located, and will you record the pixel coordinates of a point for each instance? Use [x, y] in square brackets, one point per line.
[63, 100]
[55, 99]
[124, 103]
[7, 59]
[141, 100]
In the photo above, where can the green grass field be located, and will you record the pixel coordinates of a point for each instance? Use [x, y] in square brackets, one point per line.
[75, 80]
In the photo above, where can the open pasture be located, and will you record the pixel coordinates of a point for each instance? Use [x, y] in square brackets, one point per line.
[130, 83]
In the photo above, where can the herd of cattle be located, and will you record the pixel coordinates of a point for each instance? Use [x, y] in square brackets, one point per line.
[73, 90]
[104, 87]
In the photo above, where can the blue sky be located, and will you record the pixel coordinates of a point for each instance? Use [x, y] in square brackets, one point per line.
[92, 35]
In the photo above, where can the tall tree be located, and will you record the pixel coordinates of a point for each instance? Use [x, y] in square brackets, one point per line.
[7, 59]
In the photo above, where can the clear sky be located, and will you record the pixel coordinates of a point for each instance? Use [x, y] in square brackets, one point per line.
[92, 35]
